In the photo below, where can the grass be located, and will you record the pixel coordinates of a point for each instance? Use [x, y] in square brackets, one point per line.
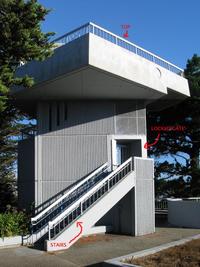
[187, 255]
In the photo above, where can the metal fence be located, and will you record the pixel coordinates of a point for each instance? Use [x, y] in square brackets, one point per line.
[161, 205]
[111, 37]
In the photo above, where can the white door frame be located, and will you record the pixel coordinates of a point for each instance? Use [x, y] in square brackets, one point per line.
[115, 138]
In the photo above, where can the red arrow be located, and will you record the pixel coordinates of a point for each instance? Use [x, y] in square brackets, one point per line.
[125, 35]
[146, 145]
[81, 230]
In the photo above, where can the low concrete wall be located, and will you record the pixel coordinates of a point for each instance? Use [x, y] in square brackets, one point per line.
[184, 213]
[10, 241]
[120, 261]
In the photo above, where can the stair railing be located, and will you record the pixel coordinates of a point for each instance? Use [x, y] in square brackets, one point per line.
[72, 213]
[51, 208]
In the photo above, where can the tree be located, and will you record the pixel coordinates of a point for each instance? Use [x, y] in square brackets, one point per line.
[182, 147]
[21, 41]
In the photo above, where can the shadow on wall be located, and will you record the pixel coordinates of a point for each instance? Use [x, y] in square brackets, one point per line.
[74, 116]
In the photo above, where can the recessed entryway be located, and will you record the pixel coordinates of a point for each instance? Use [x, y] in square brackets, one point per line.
[122, 149]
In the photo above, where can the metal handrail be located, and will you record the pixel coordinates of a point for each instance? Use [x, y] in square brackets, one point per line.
[109, 36]
[35, 220]
[81, 204]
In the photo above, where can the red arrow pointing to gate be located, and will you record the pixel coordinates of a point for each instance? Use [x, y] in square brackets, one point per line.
[146, 145]
[78, 224]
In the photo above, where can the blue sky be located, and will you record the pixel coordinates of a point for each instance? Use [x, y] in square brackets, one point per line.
[167, 28]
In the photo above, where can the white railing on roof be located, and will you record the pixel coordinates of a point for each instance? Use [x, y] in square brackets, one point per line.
[111, 37]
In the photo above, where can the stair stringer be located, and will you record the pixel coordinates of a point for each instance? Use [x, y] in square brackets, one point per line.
[92, 215]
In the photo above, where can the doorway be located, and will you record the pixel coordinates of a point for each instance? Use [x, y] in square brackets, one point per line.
[123, 149]
[123, 152]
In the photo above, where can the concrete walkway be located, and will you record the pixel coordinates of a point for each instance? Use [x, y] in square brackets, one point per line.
[91, 250]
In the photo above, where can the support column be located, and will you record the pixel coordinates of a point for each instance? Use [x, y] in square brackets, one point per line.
[144, 196]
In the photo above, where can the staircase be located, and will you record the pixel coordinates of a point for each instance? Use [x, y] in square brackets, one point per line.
[73, 214]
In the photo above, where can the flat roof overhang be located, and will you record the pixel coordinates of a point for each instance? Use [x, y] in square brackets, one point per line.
[93, 68]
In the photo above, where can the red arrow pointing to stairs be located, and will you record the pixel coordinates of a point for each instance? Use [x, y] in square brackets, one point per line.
[146, 145]
[78, 224]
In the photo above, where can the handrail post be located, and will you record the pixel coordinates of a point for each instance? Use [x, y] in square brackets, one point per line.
[81, 207]
[131, 164]
[92, 27]
[49, 231]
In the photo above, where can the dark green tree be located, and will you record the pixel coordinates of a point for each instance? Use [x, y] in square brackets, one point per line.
[21, 40]
[181, 147]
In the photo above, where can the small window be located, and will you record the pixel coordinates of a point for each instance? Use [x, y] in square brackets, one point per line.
[65, 111]
[58, 114]
[50, 117]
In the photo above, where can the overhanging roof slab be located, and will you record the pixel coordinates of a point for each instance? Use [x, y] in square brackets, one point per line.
[93, 68]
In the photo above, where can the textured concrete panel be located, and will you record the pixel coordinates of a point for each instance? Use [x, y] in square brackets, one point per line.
[66, 58]
[126, 125]
[83, 117]
[66, 159]
[184, 213]
[79, 143]
[141, 126]
[144, 196]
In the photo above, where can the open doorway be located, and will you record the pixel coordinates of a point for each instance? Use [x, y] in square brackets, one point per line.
[123, 152]
[122, 149]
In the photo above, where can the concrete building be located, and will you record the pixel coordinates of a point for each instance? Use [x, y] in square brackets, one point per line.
[86, 161]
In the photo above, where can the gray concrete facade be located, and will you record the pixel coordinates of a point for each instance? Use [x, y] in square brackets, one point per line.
[71, 146]
[90, 101]
[76, 137]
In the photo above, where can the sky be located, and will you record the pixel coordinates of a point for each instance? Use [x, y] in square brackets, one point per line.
[167, 28]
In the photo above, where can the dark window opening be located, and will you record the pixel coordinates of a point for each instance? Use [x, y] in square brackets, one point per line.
[65, 111]
[50, 117]
[58, 114]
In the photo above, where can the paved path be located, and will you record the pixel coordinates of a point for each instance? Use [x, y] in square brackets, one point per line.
[91, 250]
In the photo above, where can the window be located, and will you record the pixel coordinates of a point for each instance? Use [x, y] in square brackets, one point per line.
[50, 117]
[65, 111]
[58, 114]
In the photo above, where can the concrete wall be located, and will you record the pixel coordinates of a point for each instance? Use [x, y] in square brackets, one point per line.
[184, 213]
[26, 174]
[93, 117]
[122, 216]
[94, 52]
[134, 214]
[144, 196]
[82, 142]
[83, 118]
[66, 159]
[115, 59]
[66, 58]
[12, 241]
[130, 118]
[79, 144]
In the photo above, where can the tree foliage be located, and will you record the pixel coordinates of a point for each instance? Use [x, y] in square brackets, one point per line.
[180, 148]
[22, 40]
